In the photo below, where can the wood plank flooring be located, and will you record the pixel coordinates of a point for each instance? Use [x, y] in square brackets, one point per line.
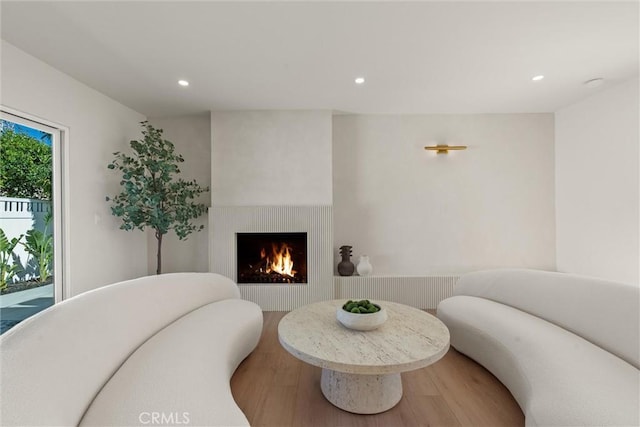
[274, 389]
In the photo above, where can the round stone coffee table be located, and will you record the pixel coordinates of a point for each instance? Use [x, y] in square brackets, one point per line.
[361, 370]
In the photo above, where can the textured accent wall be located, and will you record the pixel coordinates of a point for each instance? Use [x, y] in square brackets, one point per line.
[247, 147]
[419, 292]
[316, 221]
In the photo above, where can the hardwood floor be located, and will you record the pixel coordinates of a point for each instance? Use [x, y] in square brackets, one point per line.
[275, 389]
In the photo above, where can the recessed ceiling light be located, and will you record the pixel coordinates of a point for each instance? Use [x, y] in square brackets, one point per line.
[594, 82]
[359, 80]
[537, 78]
[183, 83]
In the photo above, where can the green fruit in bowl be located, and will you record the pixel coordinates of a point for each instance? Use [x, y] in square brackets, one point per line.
[361, 315]
[361, 307]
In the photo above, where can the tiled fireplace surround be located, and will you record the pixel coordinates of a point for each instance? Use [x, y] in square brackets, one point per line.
[317, 222]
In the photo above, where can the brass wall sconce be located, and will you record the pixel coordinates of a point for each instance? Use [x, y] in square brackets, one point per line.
[444, 148]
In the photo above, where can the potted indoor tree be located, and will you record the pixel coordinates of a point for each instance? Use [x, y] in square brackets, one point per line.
[152, 195]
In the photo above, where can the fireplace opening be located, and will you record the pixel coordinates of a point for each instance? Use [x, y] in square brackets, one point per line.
[272, 257]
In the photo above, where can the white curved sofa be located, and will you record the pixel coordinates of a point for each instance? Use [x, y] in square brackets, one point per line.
[149, 351]
[566, 346]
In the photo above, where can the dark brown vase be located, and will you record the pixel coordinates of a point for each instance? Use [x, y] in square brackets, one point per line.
[346, 267]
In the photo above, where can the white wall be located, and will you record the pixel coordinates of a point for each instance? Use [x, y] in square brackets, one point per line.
[418, 213]
[597, 192]
[100, 253]
[264, 158]
[191, 136]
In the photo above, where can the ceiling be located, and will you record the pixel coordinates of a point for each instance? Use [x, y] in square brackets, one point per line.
[417, 57]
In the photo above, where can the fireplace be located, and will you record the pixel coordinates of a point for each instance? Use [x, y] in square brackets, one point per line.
[272, 258]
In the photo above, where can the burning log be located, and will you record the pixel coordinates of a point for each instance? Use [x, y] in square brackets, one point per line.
[272, 262]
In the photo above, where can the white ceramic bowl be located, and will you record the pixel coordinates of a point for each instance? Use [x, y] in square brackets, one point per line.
[362, 322]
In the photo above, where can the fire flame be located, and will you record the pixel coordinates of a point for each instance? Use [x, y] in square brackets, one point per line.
[279, 261]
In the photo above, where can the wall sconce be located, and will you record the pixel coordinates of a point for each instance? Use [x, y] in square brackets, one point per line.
[444, 148]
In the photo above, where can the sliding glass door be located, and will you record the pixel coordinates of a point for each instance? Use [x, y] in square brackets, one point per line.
[31, 273]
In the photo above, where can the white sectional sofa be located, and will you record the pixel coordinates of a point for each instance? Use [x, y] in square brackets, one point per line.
[159, 350]
[566, 346]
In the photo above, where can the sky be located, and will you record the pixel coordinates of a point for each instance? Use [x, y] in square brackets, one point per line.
[21, 129]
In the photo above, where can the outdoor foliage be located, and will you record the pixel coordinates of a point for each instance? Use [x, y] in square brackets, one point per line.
[7, 268]
[25, 166]
[40, 246]
[151, 194]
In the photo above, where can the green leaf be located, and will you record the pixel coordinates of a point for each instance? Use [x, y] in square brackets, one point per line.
[25, 166]
[152, 195]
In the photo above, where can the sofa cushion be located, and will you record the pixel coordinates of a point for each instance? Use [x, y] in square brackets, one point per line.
[603, 312]
[557, 377]
[54, 363]
[182, 373]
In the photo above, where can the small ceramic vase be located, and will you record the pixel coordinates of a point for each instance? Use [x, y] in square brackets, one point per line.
[346, 267]
[364, 266]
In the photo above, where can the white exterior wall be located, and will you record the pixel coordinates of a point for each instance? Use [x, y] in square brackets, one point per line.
[17, 217]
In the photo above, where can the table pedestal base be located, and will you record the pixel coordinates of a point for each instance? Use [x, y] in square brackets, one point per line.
[361, 394]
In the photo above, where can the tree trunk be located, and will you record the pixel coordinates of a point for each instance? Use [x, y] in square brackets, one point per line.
[159, 254]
